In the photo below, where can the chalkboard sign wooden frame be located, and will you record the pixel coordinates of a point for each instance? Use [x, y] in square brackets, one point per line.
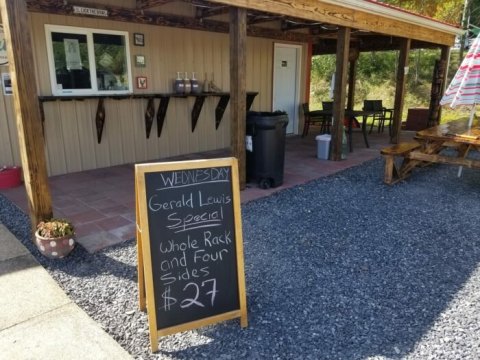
[159, 235]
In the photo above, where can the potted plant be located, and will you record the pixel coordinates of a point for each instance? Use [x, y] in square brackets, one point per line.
[55, 238]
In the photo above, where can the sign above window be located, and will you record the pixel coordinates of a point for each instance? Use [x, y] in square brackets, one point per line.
[89, 11]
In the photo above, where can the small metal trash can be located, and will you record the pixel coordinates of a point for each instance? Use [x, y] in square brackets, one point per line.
[266, 133]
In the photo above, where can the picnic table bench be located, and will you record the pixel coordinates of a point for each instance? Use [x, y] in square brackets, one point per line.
[427, 147]
[394, 173]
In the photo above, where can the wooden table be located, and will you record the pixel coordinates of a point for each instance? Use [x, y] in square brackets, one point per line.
[456, 135]
[352, 116]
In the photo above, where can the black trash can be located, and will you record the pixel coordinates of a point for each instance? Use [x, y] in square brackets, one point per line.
[266, 158]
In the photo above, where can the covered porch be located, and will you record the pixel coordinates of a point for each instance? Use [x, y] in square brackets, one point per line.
[101, 202]
[312, 26]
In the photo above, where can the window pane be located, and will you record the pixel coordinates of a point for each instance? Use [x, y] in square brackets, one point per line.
[111, 62]
[70, 54]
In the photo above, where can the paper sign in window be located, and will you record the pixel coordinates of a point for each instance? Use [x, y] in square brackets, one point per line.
[72, 54]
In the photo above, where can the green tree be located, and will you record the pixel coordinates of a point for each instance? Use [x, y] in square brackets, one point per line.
[445, 10]
[376, 76]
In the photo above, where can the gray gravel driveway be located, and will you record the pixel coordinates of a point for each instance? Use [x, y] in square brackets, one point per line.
[343, 267]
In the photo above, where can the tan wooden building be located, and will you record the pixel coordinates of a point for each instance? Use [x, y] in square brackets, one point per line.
[98, 75]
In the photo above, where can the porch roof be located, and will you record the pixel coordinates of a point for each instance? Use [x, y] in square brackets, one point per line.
[375, 26]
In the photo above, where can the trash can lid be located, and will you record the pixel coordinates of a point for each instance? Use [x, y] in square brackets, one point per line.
[324, 137]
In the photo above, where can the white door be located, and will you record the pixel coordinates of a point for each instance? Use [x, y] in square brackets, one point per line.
[286, 75]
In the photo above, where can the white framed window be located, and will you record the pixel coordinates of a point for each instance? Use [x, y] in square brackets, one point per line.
[85, 61]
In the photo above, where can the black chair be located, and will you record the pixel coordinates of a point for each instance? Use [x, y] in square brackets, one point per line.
[380, 115]
[327, 105]
[312, 118]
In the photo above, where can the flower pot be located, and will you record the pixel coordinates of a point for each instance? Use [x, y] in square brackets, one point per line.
[55, 248]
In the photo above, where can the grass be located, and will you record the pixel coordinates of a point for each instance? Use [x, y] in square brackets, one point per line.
[448, 114]
[460, 113]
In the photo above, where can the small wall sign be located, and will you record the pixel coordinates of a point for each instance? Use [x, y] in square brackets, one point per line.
[7, 84]
[89, 11]
[139, 60]
[138, 39]
[141, 82]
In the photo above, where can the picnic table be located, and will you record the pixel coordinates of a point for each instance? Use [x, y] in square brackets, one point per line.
[428, 146]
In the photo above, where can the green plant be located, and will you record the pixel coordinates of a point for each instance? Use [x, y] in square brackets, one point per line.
[54, 228]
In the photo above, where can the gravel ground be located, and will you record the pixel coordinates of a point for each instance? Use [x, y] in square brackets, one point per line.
[341, 268]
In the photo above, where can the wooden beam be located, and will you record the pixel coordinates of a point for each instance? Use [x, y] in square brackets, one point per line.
[257, 31]
[325, 46]
[27, 109]
[238, 90]
[259, 18]
[436, 158]
[146, 4]
[202, 13]
[324, 30]
[319, 11]
[400, 91]
[116, 13]
[292, 24]
[338, 131]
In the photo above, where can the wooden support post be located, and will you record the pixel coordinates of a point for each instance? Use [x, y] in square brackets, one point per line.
[343, 43]
[308, 71]
[238, 92]
[27, 108]
[400, 90]
[445, 58]
[436, 92]
[351, 83]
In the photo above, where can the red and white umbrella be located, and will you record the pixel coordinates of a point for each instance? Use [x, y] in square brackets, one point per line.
[465, 86]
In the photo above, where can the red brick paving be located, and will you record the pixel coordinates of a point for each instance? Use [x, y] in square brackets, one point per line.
[102, 201]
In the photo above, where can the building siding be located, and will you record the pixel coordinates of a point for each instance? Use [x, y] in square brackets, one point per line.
[70, 132]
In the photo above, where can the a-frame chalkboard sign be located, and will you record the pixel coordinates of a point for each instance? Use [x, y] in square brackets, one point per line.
[190, 248]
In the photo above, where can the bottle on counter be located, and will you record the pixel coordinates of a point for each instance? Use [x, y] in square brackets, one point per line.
[196, 89]
[187, 84]
[206, 84]
[179, 84]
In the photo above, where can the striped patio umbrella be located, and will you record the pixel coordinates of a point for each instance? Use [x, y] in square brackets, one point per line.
[465, 86]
